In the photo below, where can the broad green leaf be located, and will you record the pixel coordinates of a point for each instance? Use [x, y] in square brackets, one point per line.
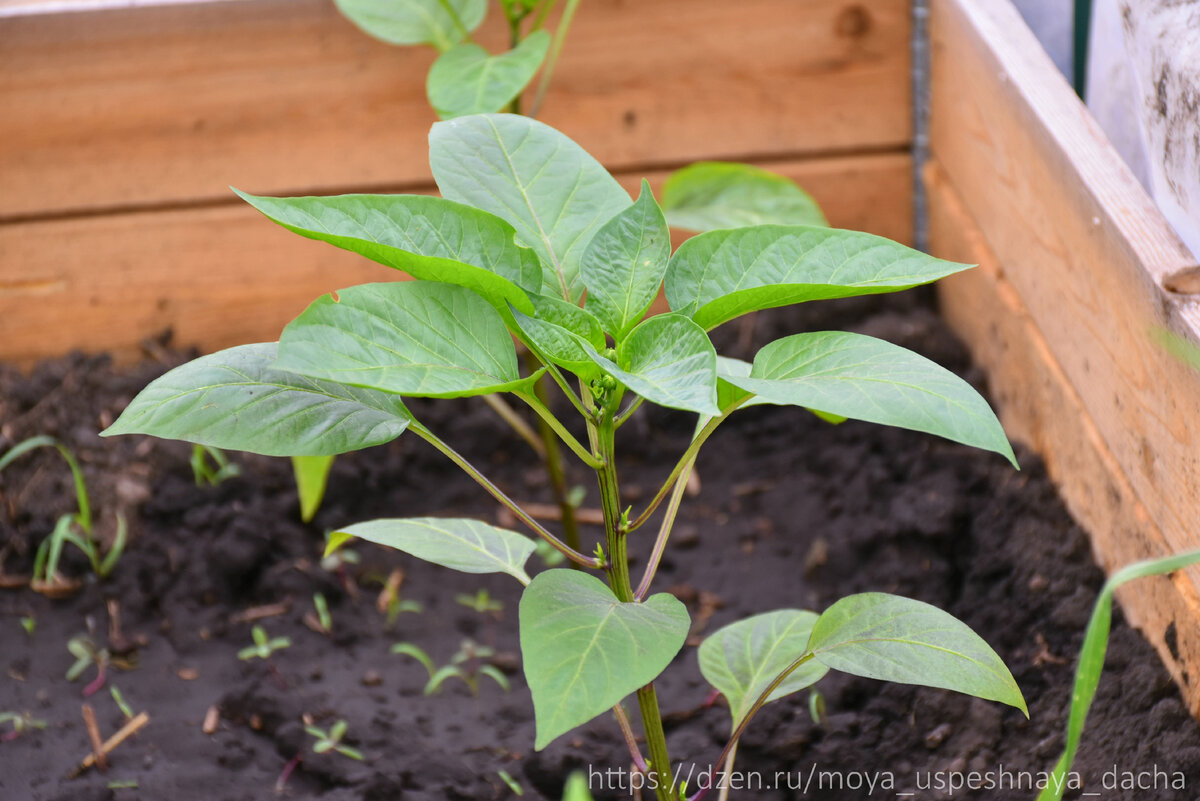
[554, 193]
[576, 788]
[584, 650]
[559, 334]
[1091, 659]
[890, 638]
[670, 361]
[466, 79]
[462, 544]
[863, 378]
[720, 275]
[238, 399]
[441, 23]
[742, 659]
[415, 338]
[427, 237]
[312, 474]
[624, 264]
[716, 194]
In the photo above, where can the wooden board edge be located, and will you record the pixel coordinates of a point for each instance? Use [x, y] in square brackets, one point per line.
[1039, 406]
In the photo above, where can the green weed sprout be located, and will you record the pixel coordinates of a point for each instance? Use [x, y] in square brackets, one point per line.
[332, 741]
[1091, 660]
[20, 723]
[119, 700]
[211, 466]
[86, 654]
[74, 528]
[481, 602]
[533, 240]
[321, 606]
[29, 624]
[264, 646]
[467, 665]
[512, 783]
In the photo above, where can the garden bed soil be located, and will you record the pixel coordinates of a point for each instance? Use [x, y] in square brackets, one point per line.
[792, 513]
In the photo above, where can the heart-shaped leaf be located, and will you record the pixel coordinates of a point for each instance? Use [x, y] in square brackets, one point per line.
[415, 338]
[441, 23]
[427, 237]
[238, 399]
[716, 194]
[670, 361]
[559, 334]
[466, 79]
[742, 659]
[890, 638]
[584, 650]
[863, 378]
[461, 544]
[624, 264]
[720, 275]
[548, 187]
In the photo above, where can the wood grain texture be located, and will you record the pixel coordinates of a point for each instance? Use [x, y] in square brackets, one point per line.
[1039, 406]
[1084, 251]
[129, 109]
[224, 275]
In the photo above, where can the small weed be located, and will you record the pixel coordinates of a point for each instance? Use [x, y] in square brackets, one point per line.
[29, 623]
[211, 466]
[20, 723]
[512, 783]
[468, 664]
[264, 645]
[120, 701]
[482, 602]
[332, 741]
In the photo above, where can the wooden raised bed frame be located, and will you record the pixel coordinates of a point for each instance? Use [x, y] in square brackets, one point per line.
[124, 126]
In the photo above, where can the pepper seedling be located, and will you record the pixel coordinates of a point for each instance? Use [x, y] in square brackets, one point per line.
[532, 239]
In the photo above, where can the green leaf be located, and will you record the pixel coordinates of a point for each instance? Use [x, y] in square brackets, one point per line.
[410, 22]
[239, 399]
[312, 472]
[670, 361]
[743, 658]
[577, 788]
[890, 638]
[1091, 659]
[717, 276]
[863, 378]
[559, 332]
[584, 650]
[624, 264]
[427, 237]
[417, 338]
[554, 193]
[717, 194]
[462, 544]
[466, 79]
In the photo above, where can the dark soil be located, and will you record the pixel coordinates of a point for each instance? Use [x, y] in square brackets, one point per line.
[792, 513]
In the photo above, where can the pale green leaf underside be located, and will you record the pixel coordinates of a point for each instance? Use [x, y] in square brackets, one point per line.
[466, 79]
[428, 237]
[238, 399]
[711, 194]
[410, 22]
[560, 332]
[624, 264]
[583, 650]
[742, 659]
[890, 638]
[554, 193]
[417, 338]
[863, 378]
[462, 544]
[670, 361]
[717, 276]
[312, 474]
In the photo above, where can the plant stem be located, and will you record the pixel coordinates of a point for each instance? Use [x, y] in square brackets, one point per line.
[759, 703]
[556, 46]
[624, 416]
[664, 531]
[483, 481]
[618, 577]
[543, 11]
[685, 462]
[566, 436]
[558, 480]
[635, 753]
[515, 422]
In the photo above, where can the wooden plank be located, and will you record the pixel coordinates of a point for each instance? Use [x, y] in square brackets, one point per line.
[1039, 406]
[132, 108]
[223, 275]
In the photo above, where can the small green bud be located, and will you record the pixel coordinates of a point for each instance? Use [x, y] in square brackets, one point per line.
[610, 354]
[608, 383]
